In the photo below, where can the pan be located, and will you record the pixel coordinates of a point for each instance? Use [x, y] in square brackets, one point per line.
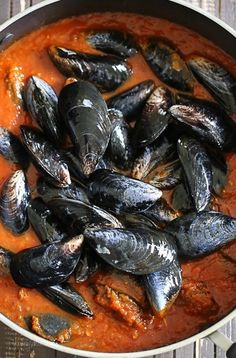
[173, 10]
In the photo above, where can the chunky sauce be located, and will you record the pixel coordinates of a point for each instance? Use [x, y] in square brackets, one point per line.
[209, 288]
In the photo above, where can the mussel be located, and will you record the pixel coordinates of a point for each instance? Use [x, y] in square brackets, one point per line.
[88, 264]
[181, 198]
[41, 101]
[220, 83]
[155, 117]
[167, 64]
[52, 327]
[131, 102]
[114, 42]
[5, 259]
[14, 199]
[15, 86]
[120, 147]
[78, 215]
[67, 298]
[162, 287]
[46, 265]
[85, 113]
[202, 233]
[138, 251]
[161, 212]
[167, 175]
[46, 225]
[119, 194]
[12, 149]
[105, 72]
[198, 170]
[45, 157]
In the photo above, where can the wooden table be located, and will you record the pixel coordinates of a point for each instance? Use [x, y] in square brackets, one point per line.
[12, 345]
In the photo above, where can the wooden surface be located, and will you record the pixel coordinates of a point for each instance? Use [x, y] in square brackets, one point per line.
[13, 345]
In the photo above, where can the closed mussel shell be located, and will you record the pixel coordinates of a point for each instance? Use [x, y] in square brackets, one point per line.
[85, 113]
[114, 42]
[46, 158]
[42, 105]
[162, 287]
[121, 194]
[202, 233]
[12, 149]
[131, 101]
[220, 83]
[138, 251]
[46, 265]
[155, 117]
[105, 72]
[14, 199]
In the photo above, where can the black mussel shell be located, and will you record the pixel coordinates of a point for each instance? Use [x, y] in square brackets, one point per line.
[167, 64]
[155, 117]
[12, 149]
[46, 265]
[202, 233]
[42, 105]
[105, 72]
[104, 163]
[85, 113]
[198, 170]
[113, 42]
[120, 194]
[78, 215]
[162, 287]
[74, 165]
[167, 175]
[181, 199]
[67, 298]
[46, 158]
[220, 83]
[148, 159]
[138, 251]
[88, 264]
[52, 327]
[14, 199]
[161, 212]
[48, 192]
[138, 220]
[46, 225]
[120, 147]
[5, 260]
[207, 120]
[131, 102]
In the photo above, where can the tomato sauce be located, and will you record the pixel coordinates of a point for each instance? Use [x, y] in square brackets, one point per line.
[209, 283]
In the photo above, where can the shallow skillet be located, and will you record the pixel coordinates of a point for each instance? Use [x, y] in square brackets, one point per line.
[173, 10]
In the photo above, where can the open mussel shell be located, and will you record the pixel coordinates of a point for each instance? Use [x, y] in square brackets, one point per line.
[46, 158]
[85, 113]
[67, 298]
[46, 265]
[198, 170]
[207, 120]
[12, 149]
[167, 64]
[41, 101]
[167, 175]
[5, 260]
[114, 42]
[149, 157]
[88, 264]
[14, 199]
[220, 83]
[162, 287]
[48, 192]
[46, 225]
[138, 251]
[121, 194]
[202, 233]
[131, 102]
[155, 117]
[78, 215]
[120, 146]
[105, 72]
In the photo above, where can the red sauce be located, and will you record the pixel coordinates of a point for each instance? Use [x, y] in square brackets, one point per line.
[209, 285]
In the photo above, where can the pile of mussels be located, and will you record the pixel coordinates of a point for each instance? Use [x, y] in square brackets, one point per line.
[101, 195]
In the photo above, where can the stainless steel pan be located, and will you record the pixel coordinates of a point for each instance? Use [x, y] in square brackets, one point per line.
[173, 10]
